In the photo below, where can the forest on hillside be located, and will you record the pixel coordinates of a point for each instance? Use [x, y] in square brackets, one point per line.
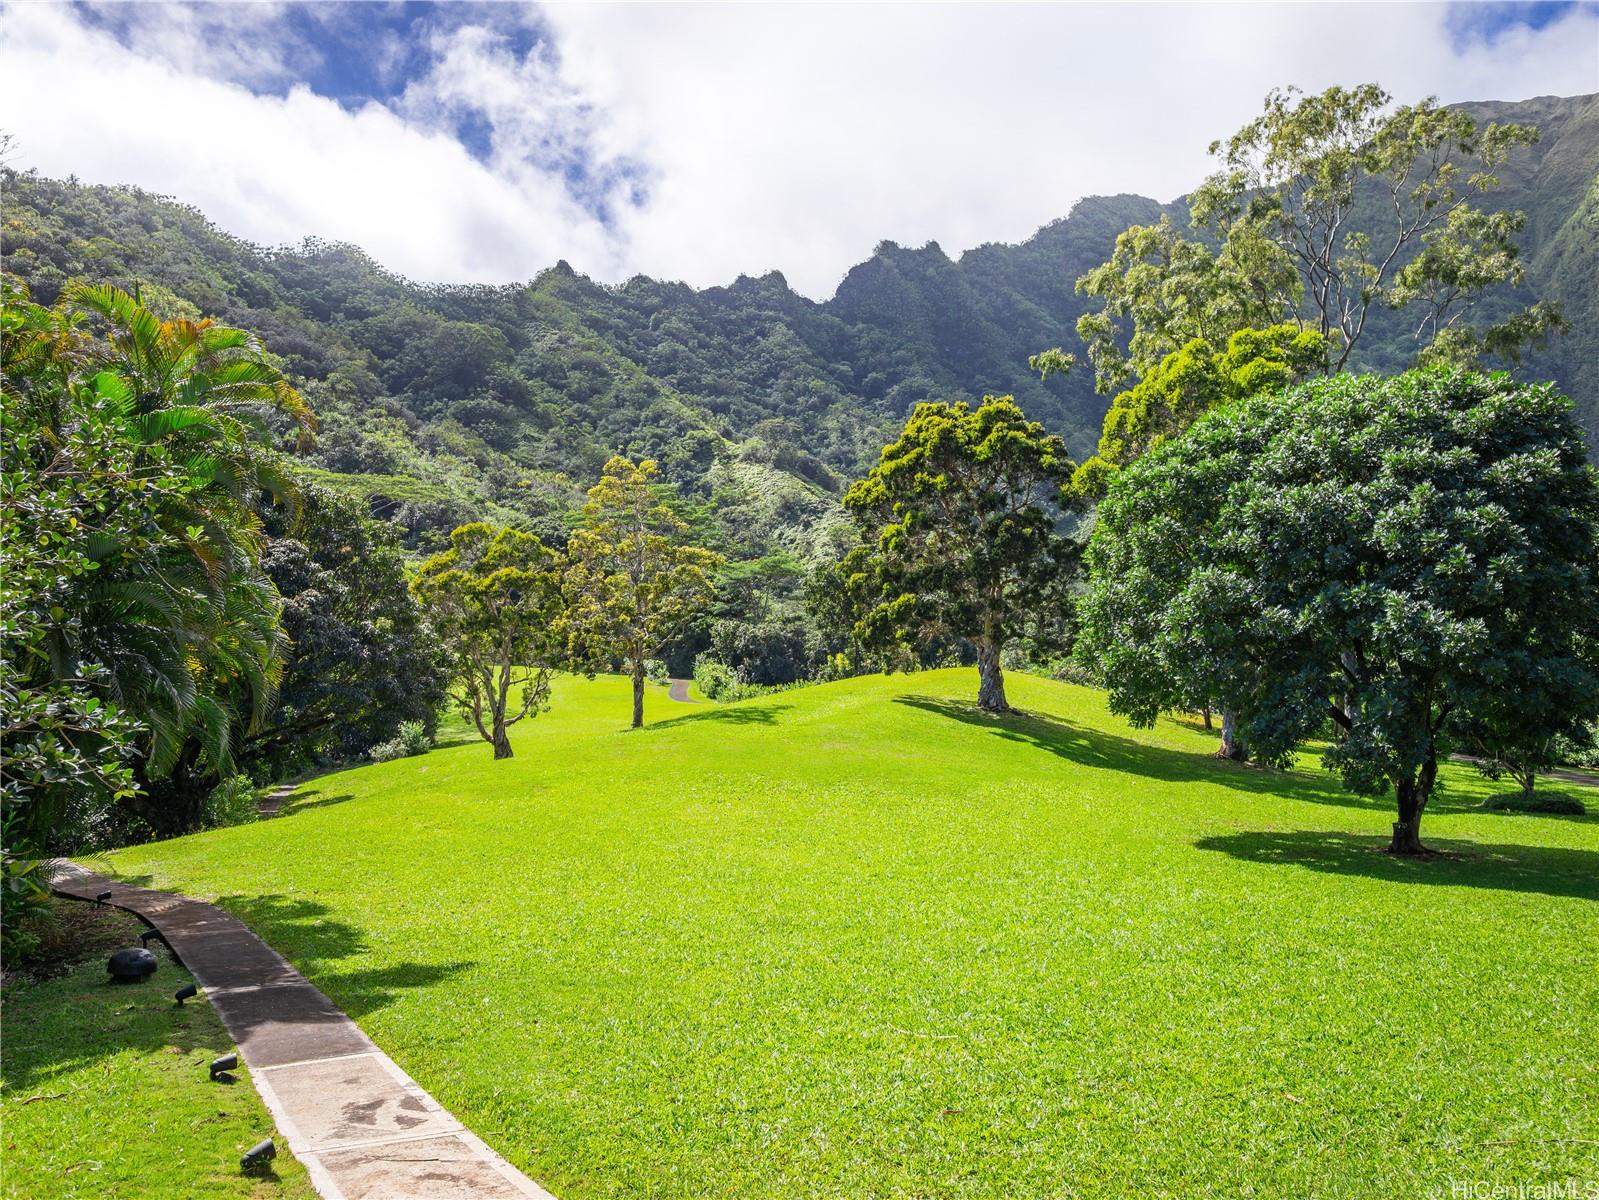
[270, 506]
[443, 403]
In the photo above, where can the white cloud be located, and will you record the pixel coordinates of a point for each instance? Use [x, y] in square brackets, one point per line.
[278, 169]
[772, 136]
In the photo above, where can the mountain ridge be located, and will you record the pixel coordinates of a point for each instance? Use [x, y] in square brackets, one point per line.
[505, 400]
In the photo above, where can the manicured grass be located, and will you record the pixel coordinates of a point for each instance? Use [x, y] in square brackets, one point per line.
[859, 940]
[107, 1090]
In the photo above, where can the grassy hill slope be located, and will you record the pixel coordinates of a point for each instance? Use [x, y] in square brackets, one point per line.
[860, 940]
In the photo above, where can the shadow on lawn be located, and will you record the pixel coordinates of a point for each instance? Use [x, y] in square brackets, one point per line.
[1113, 752]
[304, 801]
[74, 1020]
[764, 714]
[1551, 871]
[304, 932]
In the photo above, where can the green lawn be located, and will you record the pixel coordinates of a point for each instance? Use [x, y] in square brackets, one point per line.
[107, 1090]
[858, 940]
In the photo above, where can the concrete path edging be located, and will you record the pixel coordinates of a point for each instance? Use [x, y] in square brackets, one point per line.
[363, 1128]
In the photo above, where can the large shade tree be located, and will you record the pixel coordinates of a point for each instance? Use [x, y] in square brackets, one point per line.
[633, 581]
[964, 513]
[494, 602]
[1325, 211]
[361, 659]
[1394, 556]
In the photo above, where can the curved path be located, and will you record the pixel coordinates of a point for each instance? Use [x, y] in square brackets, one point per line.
[679, 691]
[362, 1127]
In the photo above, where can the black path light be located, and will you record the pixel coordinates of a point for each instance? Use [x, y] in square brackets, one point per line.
[221, 1066]
[258, 1155]
[133, 965]
[187, 992]
[100, 898]
[144, 938]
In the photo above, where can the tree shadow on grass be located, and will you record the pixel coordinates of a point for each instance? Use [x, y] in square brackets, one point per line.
[1550, 871]
[304, 801]
[1110, 751]
[1113, 752]
[305, 933]
[757, 714]
[77, 1017]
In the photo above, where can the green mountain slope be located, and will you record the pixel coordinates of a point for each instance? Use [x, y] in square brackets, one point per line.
[441, 403]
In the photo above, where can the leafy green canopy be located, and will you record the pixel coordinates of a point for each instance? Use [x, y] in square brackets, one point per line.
[494, 602]
[1393, 555]
[136, 453]
[963, 512]
[1328, 211]
[631, 581]
[1191, 381]
[361, 659]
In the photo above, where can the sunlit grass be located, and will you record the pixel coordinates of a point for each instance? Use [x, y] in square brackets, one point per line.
[108, 1094]
[859, 940]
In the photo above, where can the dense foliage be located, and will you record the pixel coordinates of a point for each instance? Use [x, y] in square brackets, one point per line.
[360, 660]
[1402, 558]
[632, 582]
[962, 516]
[494, 602]
[177, 609]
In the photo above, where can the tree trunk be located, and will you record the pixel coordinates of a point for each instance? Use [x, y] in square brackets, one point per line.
[638, 692]
[990, 679]
[1208, 724]
[502, 741]
[1234, 745]
[1413, 795]
[1528, 781]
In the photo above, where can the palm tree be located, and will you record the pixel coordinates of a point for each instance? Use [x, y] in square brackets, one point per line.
[176, 610]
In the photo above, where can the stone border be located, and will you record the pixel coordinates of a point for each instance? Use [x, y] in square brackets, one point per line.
[361, 1125]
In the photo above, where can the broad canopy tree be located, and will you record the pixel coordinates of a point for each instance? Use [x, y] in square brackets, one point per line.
[494, 601]
[1396, 556]
[1190, 382]
[1326, 210]
[361, 659]
[964, 513]
[632, 583]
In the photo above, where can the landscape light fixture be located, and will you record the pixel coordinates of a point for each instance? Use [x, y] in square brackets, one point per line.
[221, 1066]
[144, 938]
[258, 1154]
[187, 992]
[100, 899]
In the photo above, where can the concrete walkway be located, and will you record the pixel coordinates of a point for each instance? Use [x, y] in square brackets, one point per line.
[361, 1126]
[679, 691]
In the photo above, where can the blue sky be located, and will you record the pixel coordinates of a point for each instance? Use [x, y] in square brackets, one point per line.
[480, 142]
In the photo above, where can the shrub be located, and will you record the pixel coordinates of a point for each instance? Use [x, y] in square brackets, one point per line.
[234, 801]
[716, 680]
[411, 740]
[1538, 802]
[655, 670]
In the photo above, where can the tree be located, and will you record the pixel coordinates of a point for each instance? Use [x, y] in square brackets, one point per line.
[632, 584]
[1392, 555]
[140, 448]
[963, 510]
[1190, 382]
[1326, 209]
[494, 602]
[361, 658]
[1541, 701]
